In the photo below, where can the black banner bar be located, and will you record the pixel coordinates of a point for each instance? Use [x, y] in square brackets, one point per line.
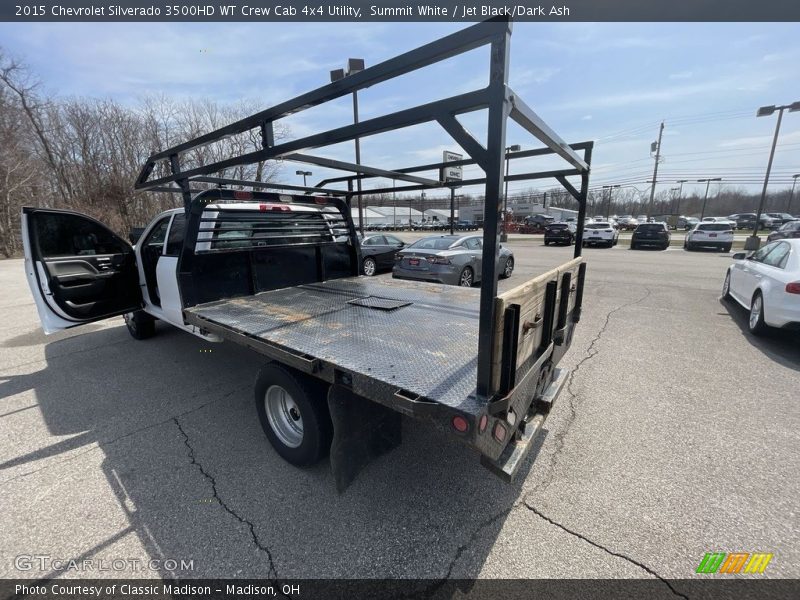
[399, 10]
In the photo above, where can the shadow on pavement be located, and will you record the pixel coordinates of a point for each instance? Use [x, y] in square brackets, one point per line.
[196, 478]
[780, 345]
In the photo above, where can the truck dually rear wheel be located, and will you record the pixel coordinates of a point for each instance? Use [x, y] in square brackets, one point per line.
[293, 412]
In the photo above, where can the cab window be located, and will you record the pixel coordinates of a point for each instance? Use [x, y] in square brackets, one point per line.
[176, 233]
[72, 235]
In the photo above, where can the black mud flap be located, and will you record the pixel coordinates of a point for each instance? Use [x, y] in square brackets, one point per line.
[362, 430]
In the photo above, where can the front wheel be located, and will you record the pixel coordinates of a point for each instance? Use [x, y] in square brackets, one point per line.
[633, 246]
[293, 412]
[726, 287]
[509, 268]
[756, 323]
[726, 248]
[467, 277]
[140, 325]
[369, 267]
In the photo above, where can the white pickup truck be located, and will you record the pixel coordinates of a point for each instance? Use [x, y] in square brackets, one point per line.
[348, 354]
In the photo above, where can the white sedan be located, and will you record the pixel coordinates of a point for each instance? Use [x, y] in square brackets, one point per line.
[768, 284]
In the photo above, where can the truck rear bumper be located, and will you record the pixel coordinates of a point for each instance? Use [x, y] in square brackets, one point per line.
[514, 455]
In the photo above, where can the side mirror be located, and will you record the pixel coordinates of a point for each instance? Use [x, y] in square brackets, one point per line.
[740, 256]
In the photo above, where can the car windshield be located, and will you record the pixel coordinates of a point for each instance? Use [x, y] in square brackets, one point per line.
[714, 227]
[433, 243]
[555, 226]
[651, 227]
[598, 226]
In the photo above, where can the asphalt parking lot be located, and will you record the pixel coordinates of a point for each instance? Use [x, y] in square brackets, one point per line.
[677, 435]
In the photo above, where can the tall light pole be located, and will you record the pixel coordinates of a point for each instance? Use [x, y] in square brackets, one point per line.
[354, 65]
[754, 241]
[304, 174]
[791, 196]
[680, 194]
[708, 184]
[610, 189]
[503, 232]
[672, 191]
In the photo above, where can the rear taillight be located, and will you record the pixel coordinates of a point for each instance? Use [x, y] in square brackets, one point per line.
[439, 260]
[239, 195]
[500, 432]
[460, 424]
[793, 287]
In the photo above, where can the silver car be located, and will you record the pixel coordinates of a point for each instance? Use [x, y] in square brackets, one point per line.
[448, 259]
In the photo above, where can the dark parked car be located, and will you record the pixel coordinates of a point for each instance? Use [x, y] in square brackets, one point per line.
[790, 229]
[559, 233]
[687, 223]
[743, 220]
[779, 219]
[650, 234]
[377, 253]
[449, 259]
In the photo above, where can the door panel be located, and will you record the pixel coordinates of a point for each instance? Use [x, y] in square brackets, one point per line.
[78, 270]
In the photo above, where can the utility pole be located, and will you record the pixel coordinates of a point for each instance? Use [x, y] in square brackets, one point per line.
[655, 168]
[708, 183]
[610, 189]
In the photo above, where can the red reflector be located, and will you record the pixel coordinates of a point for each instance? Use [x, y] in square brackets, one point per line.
[483, 423]
[793, 287]
[320, 200]
[239, 195]
[460, 424]
[500, 432]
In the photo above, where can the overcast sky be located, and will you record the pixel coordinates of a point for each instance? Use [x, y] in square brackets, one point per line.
[612, 83]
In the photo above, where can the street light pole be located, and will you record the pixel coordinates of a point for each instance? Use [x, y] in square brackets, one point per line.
[680, 194]
[791, 196]
[708, 184]
[754, 241]
[503, 232]
[304, 174]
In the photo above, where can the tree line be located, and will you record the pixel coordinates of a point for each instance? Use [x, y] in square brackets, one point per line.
[84, 154]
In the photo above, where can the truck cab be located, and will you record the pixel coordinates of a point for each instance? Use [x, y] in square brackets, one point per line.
[80, 271]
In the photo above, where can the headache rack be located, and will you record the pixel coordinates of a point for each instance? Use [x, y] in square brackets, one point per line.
[497, 98]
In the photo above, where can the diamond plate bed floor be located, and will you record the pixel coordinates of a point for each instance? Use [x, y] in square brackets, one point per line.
[421, 337]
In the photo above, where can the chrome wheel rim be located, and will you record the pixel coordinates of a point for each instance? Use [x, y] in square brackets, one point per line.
[466, 278]
[755, 312]
[129, 321]
[369, 267]
[509, 267]
[284, 416]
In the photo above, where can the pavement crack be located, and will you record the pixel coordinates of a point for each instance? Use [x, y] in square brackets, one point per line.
[272, 570]
[560, 435]
[605, 549]
[434, 587]
[100, 444]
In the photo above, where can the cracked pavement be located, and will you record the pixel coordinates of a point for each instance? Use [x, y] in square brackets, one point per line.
[676, 434]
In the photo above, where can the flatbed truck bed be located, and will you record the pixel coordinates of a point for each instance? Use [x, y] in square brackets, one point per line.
[405, 344]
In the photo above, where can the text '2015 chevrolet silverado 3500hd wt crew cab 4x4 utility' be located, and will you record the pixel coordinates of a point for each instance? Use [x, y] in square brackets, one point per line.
[277, 272]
